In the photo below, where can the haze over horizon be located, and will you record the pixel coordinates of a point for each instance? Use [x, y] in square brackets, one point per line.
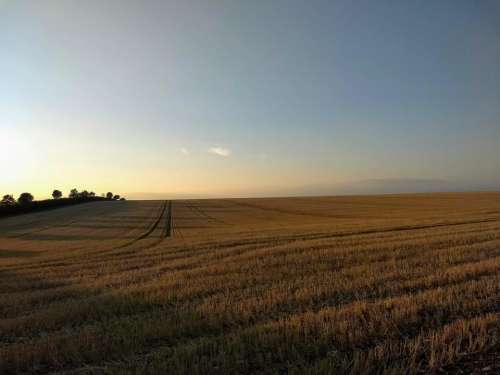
[257, 98]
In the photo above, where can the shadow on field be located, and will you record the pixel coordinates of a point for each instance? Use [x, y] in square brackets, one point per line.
[17, 253]
[122, 219]
[68, 237]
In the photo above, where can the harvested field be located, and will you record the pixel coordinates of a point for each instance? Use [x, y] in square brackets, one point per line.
[364, 284]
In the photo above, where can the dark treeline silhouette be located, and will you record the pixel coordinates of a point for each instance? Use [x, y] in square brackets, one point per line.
[26, 202]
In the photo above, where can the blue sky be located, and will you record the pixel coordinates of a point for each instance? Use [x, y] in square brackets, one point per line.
[249, 97]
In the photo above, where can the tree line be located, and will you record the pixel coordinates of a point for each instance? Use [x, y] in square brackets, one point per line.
[27, 198]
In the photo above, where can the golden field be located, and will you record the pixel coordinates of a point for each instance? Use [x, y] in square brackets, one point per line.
[395, 284]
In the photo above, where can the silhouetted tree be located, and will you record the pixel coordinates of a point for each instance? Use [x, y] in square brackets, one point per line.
[116, 197]
[109, 195]
[73, 193]
[25, 198]
[91, 194]
[56, 194]
[8, 200]
[122, 199]
[84, 194]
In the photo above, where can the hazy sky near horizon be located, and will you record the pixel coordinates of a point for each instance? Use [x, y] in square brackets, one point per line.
[248, 97]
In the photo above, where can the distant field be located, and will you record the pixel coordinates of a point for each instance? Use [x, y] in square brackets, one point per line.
[376, 284]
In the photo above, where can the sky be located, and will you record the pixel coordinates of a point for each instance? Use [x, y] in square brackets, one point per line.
[165, 99]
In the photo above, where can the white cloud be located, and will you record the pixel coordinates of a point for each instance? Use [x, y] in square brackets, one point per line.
[219, 151]
[184, 151]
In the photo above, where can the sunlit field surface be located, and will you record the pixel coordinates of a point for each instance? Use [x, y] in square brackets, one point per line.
[381, 284]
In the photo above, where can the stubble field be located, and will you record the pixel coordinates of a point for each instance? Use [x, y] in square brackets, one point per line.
[374, 284]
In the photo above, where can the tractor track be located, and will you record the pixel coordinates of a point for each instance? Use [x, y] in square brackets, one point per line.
[168, 220]
[202, 214]
[166, 208]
